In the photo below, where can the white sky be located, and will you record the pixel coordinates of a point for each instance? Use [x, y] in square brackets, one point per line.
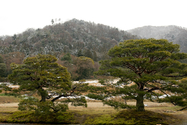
[18, 15]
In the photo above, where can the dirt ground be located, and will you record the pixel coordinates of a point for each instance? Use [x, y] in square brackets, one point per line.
[98, 104]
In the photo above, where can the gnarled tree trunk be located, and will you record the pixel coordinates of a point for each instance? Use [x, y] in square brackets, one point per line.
[43, 95]
[139, 102]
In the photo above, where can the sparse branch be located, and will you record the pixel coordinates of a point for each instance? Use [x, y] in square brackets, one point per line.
[65, 95]
[157, 88]
[182, 108]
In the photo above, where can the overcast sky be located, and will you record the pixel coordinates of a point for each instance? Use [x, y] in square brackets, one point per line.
[18, 15]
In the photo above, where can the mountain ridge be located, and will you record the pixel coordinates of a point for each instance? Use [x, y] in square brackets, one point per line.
[172, 33]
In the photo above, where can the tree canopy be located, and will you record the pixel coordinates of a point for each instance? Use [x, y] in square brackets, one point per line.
[148, 63]
[85, 67]
[1, 59]
[42, 75]
[2, 67]
[79, 67]
[67, 57]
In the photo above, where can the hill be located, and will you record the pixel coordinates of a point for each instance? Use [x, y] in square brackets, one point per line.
[80, 38]
[74, 36]
[173, 34]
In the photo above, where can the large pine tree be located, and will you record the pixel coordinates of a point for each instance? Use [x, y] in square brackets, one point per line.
[151, 64]
[43, 76]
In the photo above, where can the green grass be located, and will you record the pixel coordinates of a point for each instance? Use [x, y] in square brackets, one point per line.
[84, 117]
[133, 117]
[31, 117]
[8, 109]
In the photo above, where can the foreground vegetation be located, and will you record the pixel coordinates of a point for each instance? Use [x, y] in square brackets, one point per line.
[78, 117]
[73, 117]
[92, 115]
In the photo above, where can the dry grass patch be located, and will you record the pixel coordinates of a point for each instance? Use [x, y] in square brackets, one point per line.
[8, 109]
[8, 99]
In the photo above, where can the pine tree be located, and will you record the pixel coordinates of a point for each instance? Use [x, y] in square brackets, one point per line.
[150, 64]
[42, 75]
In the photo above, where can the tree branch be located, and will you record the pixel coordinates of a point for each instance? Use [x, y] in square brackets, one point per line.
[66, 95]
[157, 88]
[182, 109]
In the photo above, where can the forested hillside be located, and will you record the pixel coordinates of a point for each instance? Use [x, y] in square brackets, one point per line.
[72, 36]
[77, 37]
[173, 34]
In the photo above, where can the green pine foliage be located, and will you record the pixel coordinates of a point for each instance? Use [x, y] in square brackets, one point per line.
[42, 76]
[181, 97]
[151, 65]
[38, 72]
